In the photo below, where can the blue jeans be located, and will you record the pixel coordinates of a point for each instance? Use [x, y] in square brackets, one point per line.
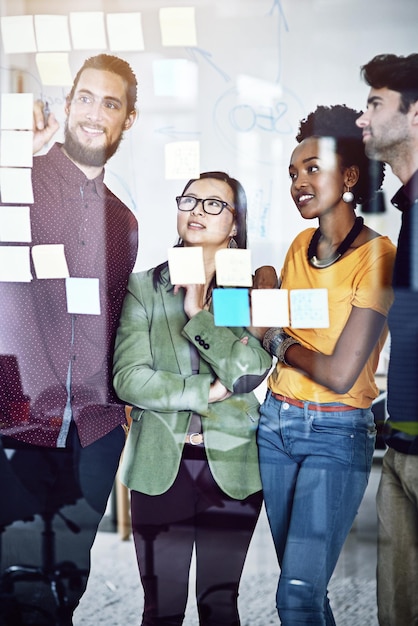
[314, 467]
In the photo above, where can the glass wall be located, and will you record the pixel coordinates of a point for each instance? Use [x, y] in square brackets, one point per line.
[222, 86]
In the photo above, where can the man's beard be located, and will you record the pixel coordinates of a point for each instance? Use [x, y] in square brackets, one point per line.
[383, 151]
[85, 155]
[372, 150]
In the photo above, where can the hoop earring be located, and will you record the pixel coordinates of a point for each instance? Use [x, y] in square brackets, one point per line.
[232, 243]
[348, 196]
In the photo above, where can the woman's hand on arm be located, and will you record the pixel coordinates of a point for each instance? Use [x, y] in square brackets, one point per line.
[193, 298]
[340, 370]
[265, 277]
[218, 392]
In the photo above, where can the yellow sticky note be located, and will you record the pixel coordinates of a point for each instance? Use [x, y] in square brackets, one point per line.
[54, 68]
[178, 26]
[16, 148]
[15, 223]
[16, 111]
[124, 31]
[186, 266]
[182, 160]
[233, 267]
[49, 261]
[16, 185]
[14, 264]
[88, 30]
[83, 296]
[18, 34]
[52, 33]
[270, 307]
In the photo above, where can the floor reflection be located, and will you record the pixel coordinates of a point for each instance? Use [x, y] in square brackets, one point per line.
[114, 592]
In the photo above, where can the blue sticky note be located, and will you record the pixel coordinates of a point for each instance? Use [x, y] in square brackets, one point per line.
[231, 307]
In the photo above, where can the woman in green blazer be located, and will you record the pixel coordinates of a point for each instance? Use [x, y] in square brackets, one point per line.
[191, 457]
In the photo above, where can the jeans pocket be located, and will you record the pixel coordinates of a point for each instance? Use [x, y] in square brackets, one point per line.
[332, 426]
[333, 439]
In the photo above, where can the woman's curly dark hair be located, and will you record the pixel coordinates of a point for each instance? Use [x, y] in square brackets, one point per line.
[339, 122]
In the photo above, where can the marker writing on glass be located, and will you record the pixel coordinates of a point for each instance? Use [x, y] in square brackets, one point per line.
[46, 113]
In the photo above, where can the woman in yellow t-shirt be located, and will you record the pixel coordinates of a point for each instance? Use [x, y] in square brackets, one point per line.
[316, 434]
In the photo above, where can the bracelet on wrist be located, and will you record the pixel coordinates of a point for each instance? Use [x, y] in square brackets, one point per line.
[272, 340]
[285, 344]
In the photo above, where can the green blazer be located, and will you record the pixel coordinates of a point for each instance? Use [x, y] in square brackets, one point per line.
[153, 373]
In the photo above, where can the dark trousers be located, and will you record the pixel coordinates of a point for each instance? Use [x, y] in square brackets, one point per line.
[52, 503]
[193, 512]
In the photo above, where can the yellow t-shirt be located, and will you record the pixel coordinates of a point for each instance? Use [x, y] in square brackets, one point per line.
[361, 279]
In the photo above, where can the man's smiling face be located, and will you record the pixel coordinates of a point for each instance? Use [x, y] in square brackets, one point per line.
[97, 115]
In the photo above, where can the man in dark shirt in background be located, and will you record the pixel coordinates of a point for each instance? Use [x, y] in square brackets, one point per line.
[61, 423]
[390, 134]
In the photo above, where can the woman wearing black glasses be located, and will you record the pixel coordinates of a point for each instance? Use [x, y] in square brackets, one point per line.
[191, 458]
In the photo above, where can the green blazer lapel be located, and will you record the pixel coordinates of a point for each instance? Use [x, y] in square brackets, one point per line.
[174, 311]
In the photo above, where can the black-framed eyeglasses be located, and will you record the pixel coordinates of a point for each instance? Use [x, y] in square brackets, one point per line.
[211, 206]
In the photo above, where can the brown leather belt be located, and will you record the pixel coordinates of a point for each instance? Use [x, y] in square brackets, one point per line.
[330, 408]
[195, 439]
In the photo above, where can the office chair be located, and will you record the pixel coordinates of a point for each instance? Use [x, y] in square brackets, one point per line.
[59, 577]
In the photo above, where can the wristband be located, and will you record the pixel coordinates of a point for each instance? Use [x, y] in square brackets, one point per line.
[284, 345]
[272, 340]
